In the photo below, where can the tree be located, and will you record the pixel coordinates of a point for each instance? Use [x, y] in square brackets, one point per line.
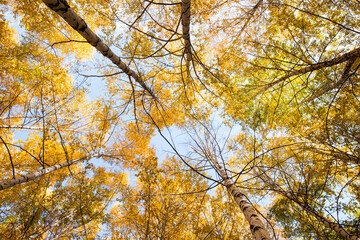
[296, 78]
[282, 73]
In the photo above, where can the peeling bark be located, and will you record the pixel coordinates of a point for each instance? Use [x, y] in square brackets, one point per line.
[36, 174]
[257, 227]
[62, 8]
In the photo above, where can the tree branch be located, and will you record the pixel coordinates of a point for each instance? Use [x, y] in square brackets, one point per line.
[345, 76]
[333, 225]
[312, 67]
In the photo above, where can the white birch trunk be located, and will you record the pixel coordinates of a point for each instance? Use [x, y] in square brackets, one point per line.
[36, 174]
[76, 22]
[257, 227]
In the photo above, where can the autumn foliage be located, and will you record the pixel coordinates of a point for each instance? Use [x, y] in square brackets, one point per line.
[179, 119]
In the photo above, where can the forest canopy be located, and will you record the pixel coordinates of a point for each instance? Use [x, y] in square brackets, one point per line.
[179, 119]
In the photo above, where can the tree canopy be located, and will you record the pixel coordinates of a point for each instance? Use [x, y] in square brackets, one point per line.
[187, 119]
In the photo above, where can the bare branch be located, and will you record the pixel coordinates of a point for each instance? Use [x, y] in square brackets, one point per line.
[10, 157]
[333, 225]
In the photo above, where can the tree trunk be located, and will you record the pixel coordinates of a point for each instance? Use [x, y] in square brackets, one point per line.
[185, 21]
[62, 8]
[36, 174]
[257, 227]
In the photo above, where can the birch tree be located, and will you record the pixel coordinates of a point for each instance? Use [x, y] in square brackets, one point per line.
[283, 73]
